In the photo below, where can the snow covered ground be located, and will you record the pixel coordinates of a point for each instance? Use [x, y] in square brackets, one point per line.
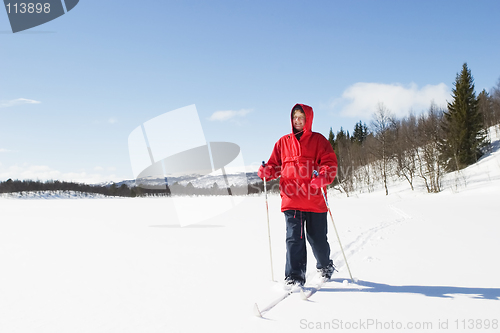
[426, 262]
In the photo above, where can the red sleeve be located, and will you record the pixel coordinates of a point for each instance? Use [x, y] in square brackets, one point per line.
[275, 161]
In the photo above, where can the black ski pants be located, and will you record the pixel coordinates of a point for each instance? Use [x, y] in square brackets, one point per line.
[316, 233]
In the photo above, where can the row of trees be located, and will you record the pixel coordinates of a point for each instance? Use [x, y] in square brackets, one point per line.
[424, 146]
[10, 186]
[29, 186]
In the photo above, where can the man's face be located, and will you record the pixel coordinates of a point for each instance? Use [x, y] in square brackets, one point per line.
[299, 120]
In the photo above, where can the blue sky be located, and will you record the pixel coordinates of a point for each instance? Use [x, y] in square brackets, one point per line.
[73, 89]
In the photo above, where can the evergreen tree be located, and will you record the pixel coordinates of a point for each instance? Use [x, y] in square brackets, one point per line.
[112, 189]
[360, 132]
[463, 129]
[341, 137]
[331, 138]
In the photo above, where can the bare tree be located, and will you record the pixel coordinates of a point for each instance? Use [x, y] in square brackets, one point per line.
[363, 163]
[383, 126]
[428, 153]
[485, 107]
[495, 104]
[406, 144]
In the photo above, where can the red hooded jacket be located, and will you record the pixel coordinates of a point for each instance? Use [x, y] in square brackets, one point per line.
[294, 161]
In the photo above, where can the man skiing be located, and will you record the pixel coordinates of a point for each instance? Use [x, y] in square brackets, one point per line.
[294, 158]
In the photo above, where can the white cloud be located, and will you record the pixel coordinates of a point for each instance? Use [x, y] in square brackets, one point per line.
[112, 120]
[19, 101]
[361, 99]
[3, 150]
[229, 114]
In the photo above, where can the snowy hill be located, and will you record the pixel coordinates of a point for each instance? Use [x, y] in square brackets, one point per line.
[425, 262]
[207, 181]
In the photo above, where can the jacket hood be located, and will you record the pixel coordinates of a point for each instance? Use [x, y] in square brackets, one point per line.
[308, 111]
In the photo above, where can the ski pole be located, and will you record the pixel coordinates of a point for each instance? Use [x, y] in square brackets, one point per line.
[335, 228]
[268, 227]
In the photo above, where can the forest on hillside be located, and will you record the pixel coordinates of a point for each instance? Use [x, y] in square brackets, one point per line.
[424, 146]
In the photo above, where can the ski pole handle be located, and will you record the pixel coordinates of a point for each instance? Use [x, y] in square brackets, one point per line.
[265, 190]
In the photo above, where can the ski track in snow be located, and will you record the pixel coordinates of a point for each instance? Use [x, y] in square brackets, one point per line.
[351, 249]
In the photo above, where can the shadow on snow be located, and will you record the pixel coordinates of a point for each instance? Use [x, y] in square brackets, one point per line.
[430, 291]
[191, 226]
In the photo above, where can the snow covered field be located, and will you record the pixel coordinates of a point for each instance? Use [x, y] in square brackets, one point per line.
[426, 262]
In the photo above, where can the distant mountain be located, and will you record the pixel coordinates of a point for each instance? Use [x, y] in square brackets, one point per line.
[199, 182]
